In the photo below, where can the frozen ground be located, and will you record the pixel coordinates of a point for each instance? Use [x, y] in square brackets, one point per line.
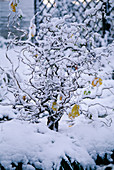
[35, 144]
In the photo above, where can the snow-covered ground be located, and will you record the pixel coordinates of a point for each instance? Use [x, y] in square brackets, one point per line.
[35, 145]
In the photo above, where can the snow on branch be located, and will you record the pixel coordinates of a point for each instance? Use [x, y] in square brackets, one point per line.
[61, 75]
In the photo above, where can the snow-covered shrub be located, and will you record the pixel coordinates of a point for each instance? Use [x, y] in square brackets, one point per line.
[64, 74]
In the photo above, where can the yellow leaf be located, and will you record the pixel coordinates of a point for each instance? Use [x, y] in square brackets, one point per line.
[60, 98]
[13, 6]
[70, 116]
[54, 106]
[100, 81]
[75, 112]
[96, 81]
[32, 35]
[76, 107]
[24, 97]
[70, 125]
[36, 55]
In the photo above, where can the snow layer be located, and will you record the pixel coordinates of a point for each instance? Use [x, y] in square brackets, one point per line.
[25, 142]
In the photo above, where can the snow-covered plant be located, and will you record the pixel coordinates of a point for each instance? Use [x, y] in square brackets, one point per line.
[63, 74]
[14, 21]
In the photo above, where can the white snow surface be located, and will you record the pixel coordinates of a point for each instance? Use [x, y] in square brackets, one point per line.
[22, 141]
[25, 142]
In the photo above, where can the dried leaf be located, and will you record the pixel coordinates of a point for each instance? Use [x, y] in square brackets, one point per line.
[24, 98]
[96, 81]
[75, 112]
[60, 98]
[54, 106]
[13, 6]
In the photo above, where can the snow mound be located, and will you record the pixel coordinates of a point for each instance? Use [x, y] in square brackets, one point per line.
[37, 145]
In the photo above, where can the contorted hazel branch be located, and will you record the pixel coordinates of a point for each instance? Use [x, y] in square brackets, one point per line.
[60, 74]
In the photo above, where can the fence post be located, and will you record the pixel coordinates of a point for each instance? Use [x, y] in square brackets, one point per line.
[36, 11]
[105, 13]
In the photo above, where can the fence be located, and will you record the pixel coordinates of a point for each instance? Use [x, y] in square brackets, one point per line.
[78, 9]
[58, 8]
